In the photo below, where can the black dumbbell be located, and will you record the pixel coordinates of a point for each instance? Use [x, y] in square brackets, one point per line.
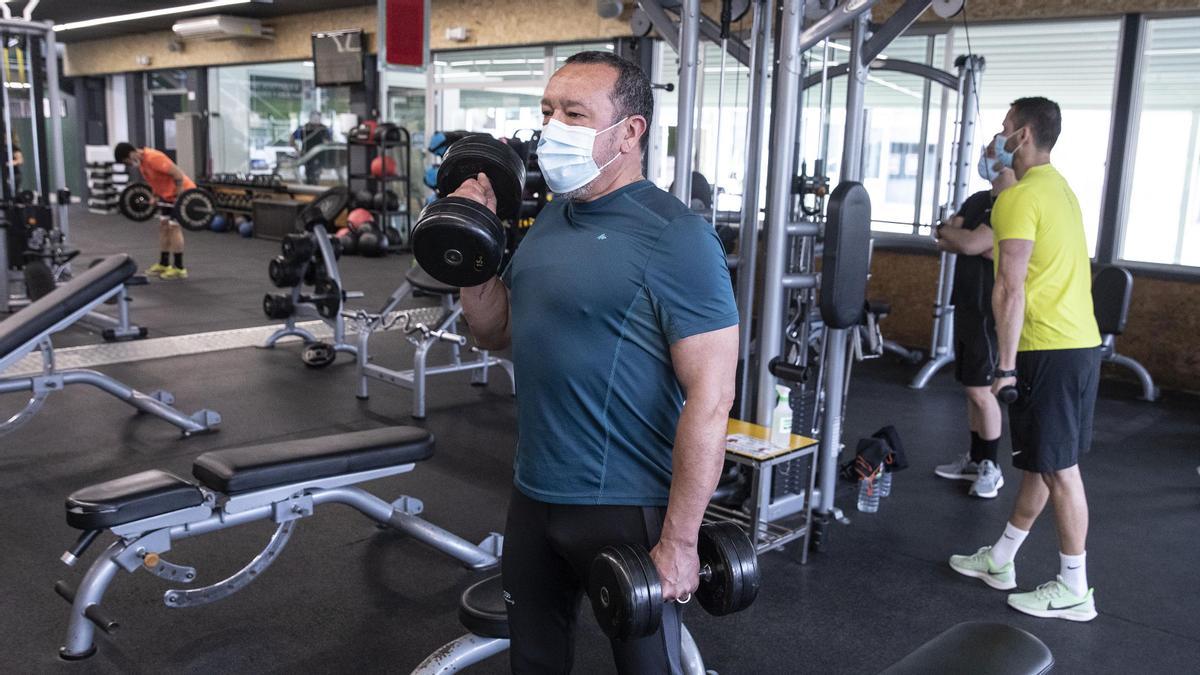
[278, 306]
[626, 593]
[285, 273]
[297, 246]
[460, 241]
[1008, 395]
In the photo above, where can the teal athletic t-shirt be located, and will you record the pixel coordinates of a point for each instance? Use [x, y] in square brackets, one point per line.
[599, 292]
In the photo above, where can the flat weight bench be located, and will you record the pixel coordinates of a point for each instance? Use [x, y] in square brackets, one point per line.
[417, 280]
[71, 302]
[282, 482]
[1112, 291]
[978, 648]
[482, 611]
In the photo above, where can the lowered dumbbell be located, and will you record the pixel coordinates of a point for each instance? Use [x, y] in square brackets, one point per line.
[626, 592]
[1009, 395]
[285, 273]
[459, 241]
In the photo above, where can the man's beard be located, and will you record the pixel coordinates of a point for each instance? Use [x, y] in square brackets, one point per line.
[580, 192]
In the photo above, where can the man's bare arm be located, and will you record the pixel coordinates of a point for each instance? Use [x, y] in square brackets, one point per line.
[1008, 297]
[705, 365]
[967, 242]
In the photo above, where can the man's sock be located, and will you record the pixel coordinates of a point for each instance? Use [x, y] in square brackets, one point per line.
[989, 449]
[164, 258]
[179, 260]
[1073, 570]
[1006, 547]
[976, 449]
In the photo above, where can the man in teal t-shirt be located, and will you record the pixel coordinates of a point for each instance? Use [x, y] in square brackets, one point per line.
[618, 307]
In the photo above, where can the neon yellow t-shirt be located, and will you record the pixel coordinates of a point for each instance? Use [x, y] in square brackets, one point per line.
[1058, 286]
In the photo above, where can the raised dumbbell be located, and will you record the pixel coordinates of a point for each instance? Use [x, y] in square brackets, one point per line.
[626, 593]
[285, 273]
[459, 241]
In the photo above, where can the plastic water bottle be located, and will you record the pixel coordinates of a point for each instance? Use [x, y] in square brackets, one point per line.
[868, 494]
[781, 418]
[884, 484]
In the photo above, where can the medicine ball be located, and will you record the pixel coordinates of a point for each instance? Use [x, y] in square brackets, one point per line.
[219, 224]
[359, 218]
[349, 239]
[371, 244]
[383, 165]
[362, 198]
[246, 228]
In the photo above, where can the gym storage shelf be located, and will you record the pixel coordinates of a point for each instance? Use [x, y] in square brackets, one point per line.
[363, 153]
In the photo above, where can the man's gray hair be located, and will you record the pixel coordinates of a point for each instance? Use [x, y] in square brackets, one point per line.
[631, 94]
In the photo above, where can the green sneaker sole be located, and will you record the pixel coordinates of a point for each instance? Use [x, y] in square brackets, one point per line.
[1080, 614]
[986, 578]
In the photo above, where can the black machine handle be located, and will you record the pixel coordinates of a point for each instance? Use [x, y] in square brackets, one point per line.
[787, 371]
[71, 556]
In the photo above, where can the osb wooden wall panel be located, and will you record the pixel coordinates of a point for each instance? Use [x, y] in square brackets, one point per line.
[293, 42]
[1161, 333]
[996, 10]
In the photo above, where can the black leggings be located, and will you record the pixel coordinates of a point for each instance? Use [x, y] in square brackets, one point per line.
[548, 549]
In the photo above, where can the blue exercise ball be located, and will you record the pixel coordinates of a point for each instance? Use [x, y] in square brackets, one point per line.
[219, 224]
[246, 228]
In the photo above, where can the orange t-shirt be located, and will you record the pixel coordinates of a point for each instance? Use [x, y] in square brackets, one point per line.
[156, 168]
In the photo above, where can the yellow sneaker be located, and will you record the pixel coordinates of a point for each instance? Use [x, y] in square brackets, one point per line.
[175, 273]
[156, 270]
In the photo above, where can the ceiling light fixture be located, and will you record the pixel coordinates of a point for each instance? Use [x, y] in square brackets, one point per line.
[137, 16]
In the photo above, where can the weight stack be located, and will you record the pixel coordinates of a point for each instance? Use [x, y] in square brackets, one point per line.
[274, 218]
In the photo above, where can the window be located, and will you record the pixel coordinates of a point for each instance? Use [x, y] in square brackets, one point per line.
[1162, 217]
[1073, 63]
[489, 65]
[255, 109]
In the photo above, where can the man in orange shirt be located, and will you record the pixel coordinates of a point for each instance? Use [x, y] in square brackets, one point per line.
[167, 181]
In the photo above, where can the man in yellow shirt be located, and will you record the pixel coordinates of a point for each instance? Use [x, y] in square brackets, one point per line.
[1049, 351]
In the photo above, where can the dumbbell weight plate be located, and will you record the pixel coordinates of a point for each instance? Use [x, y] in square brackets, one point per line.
[625, 593]
[277, 306]
[459, 241]
[318, 355]
[297, 247]
[649, 614]
[284, 273]
[731, 557]
[137, 202]
[327, 297]
[480, 153]
[194, 209]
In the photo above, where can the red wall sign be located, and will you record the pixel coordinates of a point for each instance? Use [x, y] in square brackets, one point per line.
[406, 32]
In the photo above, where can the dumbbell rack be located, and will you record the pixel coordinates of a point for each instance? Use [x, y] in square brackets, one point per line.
[102, 193]
[328, 260]
[379, 186]
[235, 193]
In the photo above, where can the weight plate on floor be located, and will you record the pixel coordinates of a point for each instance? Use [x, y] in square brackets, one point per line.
[318, 354]
[194, 209]
[480, 153]
[137, 202]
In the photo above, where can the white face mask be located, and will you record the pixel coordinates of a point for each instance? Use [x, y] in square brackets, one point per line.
[565, 155]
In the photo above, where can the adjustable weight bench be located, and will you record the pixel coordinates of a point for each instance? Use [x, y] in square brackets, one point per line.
[71, 302]
[281, 482]
[482, 611]
[978, 648]
[418, 280]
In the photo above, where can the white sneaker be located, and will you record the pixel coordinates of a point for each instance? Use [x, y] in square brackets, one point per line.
[989, 480]
[960, 469]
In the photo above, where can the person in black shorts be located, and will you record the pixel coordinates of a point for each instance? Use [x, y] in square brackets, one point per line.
[969, 234]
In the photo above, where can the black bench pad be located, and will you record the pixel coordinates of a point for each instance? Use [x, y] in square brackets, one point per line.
[421, 280]
[481, 609]
[130, 498]
[55, 306]
[978, 648]
[263, 466]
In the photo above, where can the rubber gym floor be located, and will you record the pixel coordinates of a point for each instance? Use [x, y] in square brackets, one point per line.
[346, 596]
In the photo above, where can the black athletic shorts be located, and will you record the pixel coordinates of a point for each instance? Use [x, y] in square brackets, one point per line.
[1051, 421]
[974, 348]
[548, 551]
